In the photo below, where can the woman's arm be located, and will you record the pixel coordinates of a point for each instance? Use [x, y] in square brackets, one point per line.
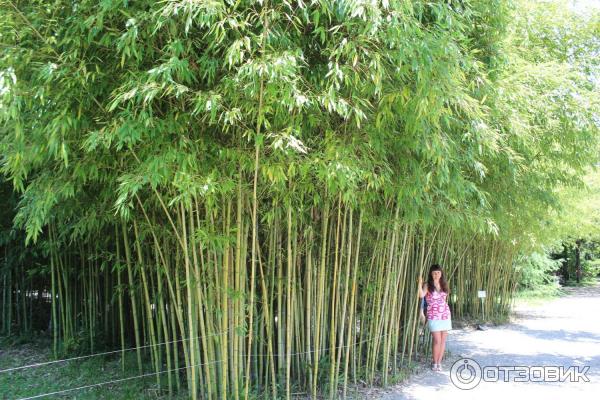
[422, 288]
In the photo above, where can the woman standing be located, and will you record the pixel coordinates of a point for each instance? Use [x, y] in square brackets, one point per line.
[439, 322]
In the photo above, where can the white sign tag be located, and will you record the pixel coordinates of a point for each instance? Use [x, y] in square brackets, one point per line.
[481, 294]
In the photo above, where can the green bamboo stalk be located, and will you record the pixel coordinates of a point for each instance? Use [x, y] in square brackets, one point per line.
[136, 327]
[320, 292]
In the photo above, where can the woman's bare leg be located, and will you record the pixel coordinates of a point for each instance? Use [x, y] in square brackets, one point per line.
[442, 348]
[435, 346]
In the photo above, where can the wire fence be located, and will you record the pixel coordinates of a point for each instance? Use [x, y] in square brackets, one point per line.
[155, 373]
[106, 353]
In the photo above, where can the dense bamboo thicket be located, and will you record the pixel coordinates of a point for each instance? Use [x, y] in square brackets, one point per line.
[246, 192]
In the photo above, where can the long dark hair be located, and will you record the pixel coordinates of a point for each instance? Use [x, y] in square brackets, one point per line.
[443, 283]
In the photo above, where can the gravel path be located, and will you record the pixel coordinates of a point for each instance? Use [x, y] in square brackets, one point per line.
[561, 332]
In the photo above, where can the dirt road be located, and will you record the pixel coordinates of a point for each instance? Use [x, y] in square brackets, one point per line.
[564, 332]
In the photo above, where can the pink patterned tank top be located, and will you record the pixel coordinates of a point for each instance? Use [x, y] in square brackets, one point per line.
[437, 308]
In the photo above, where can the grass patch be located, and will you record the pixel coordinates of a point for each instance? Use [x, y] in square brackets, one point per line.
[539, 294]
[585, 282]
[15, 352]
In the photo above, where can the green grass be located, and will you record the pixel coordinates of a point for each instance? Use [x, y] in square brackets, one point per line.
[551, 291]
[585, 282]
[15, 352]
[539, 294]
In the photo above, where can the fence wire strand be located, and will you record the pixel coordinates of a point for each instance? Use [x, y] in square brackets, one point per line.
[176, 369]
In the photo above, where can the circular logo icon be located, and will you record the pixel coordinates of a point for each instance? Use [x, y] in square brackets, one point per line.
[465, 374]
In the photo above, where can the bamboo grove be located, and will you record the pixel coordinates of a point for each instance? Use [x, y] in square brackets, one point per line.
[246, 192]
